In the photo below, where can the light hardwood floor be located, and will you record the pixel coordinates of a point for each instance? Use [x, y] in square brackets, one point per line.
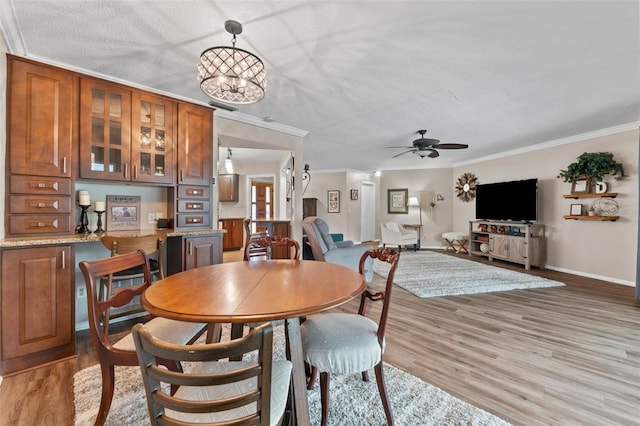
[558, 356]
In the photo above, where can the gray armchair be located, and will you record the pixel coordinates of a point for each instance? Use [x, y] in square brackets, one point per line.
[324, 249]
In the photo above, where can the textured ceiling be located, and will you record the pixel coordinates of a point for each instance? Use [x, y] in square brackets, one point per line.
[363, 75]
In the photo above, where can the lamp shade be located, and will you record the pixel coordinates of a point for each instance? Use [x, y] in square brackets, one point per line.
[413, 202]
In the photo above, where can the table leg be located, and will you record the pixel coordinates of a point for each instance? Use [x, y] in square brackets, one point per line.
[299, 381]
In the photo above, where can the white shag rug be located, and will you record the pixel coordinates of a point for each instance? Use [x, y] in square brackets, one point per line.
[431, 274]
[353, 402]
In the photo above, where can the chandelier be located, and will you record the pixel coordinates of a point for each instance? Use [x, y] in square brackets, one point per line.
[230, 74]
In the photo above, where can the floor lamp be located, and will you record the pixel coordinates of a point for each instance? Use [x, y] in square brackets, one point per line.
[414, 202]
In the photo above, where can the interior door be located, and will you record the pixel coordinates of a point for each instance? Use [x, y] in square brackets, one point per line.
[261, 200]
[367, 212]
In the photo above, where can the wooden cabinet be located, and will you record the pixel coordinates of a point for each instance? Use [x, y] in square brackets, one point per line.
[153, 156]
[309, 207]
[38, 309]
[228, 186]
[126, 134]
[105, 131]
[195, 144]
[186, 252]
[195, 154]
[40, 131]
[234, 238]
[522, 243]
[41, 108]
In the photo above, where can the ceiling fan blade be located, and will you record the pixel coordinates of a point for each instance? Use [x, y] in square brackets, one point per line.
[405, 147]
[451, 146]
[402, 153]
[434, 154]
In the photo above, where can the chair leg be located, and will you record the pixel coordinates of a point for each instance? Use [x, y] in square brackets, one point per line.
[108, 384]
[365, 376]
[383, 393]
[312, 378]
[324, 397]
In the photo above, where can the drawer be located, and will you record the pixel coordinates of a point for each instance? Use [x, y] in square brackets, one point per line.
[40, 224]
[39, 185]
[39, 204]
[188, 206]
[188, 191]
[193, 220]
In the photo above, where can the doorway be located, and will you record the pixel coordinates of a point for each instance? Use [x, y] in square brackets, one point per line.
[367, 211]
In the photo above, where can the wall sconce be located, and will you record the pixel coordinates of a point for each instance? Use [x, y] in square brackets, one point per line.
[439, 197]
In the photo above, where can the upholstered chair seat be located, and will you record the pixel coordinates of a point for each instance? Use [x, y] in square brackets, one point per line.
[341, 343]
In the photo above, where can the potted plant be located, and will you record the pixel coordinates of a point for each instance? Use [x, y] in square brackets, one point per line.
[592, 166]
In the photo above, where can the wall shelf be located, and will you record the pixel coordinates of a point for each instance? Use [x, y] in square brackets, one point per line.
[592, 195]
[600, 218]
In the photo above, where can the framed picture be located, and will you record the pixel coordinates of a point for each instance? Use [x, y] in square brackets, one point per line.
[397, 201]
[333, 201]
[354, 194]
[123, 212]
[581, 186]
[576, 210]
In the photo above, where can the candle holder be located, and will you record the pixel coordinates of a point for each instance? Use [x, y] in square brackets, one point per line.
[99, 229]
[83, 226]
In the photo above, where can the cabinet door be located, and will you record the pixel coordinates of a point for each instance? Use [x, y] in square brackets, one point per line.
[517, 249]
[152, 148]
[105, 131]
[202, 251]
[37, 303]
[499, 246]
[40, 128]
[228, 188]
[195, 144]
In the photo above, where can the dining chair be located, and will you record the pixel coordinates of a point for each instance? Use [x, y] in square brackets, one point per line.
[153, 246]
[122, 351]
[261, 248]
[213, 390]
[345, 343]
[250, 235]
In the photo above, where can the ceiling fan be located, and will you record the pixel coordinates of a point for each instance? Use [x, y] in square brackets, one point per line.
[426, 147]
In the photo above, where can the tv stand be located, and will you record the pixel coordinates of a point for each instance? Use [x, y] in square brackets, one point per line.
[516, 242]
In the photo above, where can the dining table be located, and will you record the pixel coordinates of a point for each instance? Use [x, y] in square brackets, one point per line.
[255, 291]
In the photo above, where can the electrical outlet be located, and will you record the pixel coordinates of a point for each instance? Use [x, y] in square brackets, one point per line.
[81, 292]
[152, 218]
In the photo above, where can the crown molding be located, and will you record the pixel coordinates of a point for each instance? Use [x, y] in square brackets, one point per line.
[11, 30]
[259, 122]
[557, 142]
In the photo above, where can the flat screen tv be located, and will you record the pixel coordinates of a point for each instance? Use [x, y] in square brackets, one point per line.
[515, 201]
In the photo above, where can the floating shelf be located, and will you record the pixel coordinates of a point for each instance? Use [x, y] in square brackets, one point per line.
[592, 195]
[600, 218]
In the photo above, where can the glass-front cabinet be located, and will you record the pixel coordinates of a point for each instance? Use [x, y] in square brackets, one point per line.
[105, 131]
[152, 150]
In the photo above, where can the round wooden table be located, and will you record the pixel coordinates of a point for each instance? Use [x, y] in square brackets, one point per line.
[258, 290]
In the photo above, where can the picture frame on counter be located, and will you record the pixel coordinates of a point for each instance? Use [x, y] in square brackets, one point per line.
[123, 212]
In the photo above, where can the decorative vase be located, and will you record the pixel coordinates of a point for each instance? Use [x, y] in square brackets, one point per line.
[592, 213]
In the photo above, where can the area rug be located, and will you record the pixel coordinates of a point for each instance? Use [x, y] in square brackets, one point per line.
[431, 274]
[353, 402]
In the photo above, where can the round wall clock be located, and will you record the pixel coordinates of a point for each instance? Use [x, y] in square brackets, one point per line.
[466, 187]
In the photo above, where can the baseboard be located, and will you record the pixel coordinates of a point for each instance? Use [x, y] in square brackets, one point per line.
[594, 276]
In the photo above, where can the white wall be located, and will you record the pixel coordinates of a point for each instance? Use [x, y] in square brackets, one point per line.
[435, 221]
[605, 250]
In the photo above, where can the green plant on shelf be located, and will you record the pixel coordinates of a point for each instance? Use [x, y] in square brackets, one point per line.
[592, 166]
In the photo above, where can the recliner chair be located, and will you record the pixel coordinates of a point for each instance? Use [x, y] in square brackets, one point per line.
[324, 249]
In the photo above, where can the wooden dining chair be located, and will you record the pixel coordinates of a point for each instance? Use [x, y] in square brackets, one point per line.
[213, 390]
[122, 350]
[250, 235]
[344, 343]
[153, 246]
[261, 248]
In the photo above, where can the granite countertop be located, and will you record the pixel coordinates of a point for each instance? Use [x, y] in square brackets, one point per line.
[90, 238]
